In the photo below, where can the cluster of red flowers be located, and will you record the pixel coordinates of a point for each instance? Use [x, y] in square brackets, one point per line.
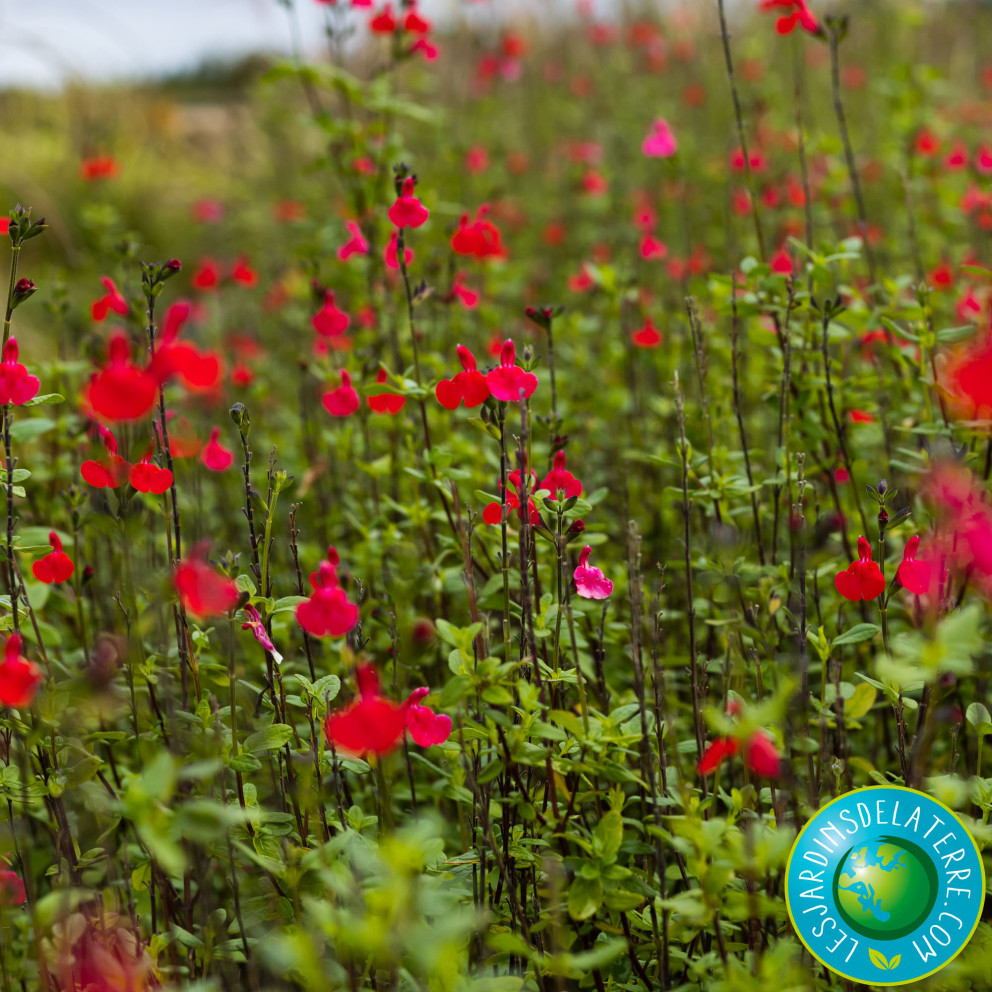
[800, 16]
[410, 22]
[209, 274]
[376, 725]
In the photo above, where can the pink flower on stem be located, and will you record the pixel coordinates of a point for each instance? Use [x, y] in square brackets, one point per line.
[358, 245]
[330, 321]
[253, 622]
[559, 479]
[509, 382]
[17, 385]
[215, 456]
[408, 211]
[56, 566]
[469, 386]
[328, 612]
[590, 583]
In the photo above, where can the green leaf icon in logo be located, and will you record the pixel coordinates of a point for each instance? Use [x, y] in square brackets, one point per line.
[878, 959]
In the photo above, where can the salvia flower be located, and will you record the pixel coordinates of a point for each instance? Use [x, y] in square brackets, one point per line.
[493, 513]
[647, 336]
[560, 480]
[660, 141]
[146, 477]
[111, 300]
[590, 583]
[243, 273]
[800, 16]
[56, 566]
[913, 573]
[19, 678]
[328, 612]
[508, 381]
[862, 579]
[385, 402]
[358, 245]
[330, 321]
[469, 386]
[479, 238]
[343, 401]
[12, 891]
[760, 755]
[390, 254]
[204, 592]
[17, 385]
[375, 725]
[253, 622]
[214, 455]
[121, 390]
[408, 211]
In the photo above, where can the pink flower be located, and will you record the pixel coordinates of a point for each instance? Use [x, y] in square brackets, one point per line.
[253, 622]
[11, 889]
[590, 583]
[17, 385]
[469, 385]
[343, 401]
[914, 574]
[559, 479]
[660, 142]
[56, 566]
[358, 245]
[215, 456]
[509, 382]
[328, 611]
[390, 252]
[330, 321]
[408, 211]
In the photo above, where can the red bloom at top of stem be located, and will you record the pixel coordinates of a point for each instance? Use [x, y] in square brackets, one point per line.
[17, 385]
[244, 273]
[862, 579]
[760, 755]
[204, 592]
[559, 479]
[56, 566]
[914, 574]
[385, 402]
[469, 386]
[343, 401]
[384, 22]
[330, 321]
[121, 390]
[99, 167]
[207, 275]
[214, 455]
[408, 211]
[19, 678]
[147, 477]
[328, 611]
[358, 245]
[508, 381]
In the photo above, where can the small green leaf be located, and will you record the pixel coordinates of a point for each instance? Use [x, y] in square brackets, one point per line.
[858, 633]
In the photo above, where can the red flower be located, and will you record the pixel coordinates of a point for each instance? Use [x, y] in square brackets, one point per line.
[358, 245]
[390, 403]
[203, 591]
[105, 475]
[801, 16]
[469, 386]
[722, 747]
[477, 159]
[343, 401]
[590, 583]
[652, 249]
[331, 322]
[328, 611]
[111, 300]
[413, 23]
[207, 211]
[17, 385]
[648, 336]
[761, 756]
[468, 298]
[560, 479]
[207, 275]
[244, 273]
[914, 574]
[408, 211]
[374, 724]
[122, 390]
[215, 456]
[493, 513]
[56, 566]
[480, 239]
[11, 889]
[968, 379]
[19, 678]
[149, 478]
[862, 579]
[99, 167]
[860, 417]
[508, 381]
[384, 22]
[389, 253]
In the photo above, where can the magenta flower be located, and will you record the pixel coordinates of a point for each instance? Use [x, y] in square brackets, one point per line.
[508, 381]
[253, 622]
[590, 583]
[408, 211]
[660, 142]
[328, 611]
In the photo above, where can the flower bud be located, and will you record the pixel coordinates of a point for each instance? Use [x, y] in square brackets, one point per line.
[23, 289]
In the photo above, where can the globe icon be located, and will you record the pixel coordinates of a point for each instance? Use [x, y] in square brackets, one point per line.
[885, 887]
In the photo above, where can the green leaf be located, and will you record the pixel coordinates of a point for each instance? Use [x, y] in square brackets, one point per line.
[977, 714]
[608, 836]
[270, 738]
[858, 633]
[47, 399]
[585, 896]
[861, 702]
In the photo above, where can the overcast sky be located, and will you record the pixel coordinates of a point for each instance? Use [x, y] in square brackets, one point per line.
[44, 42]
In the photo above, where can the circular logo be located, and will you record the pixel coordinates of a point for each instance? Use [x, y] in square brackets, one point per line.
[884, 885]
